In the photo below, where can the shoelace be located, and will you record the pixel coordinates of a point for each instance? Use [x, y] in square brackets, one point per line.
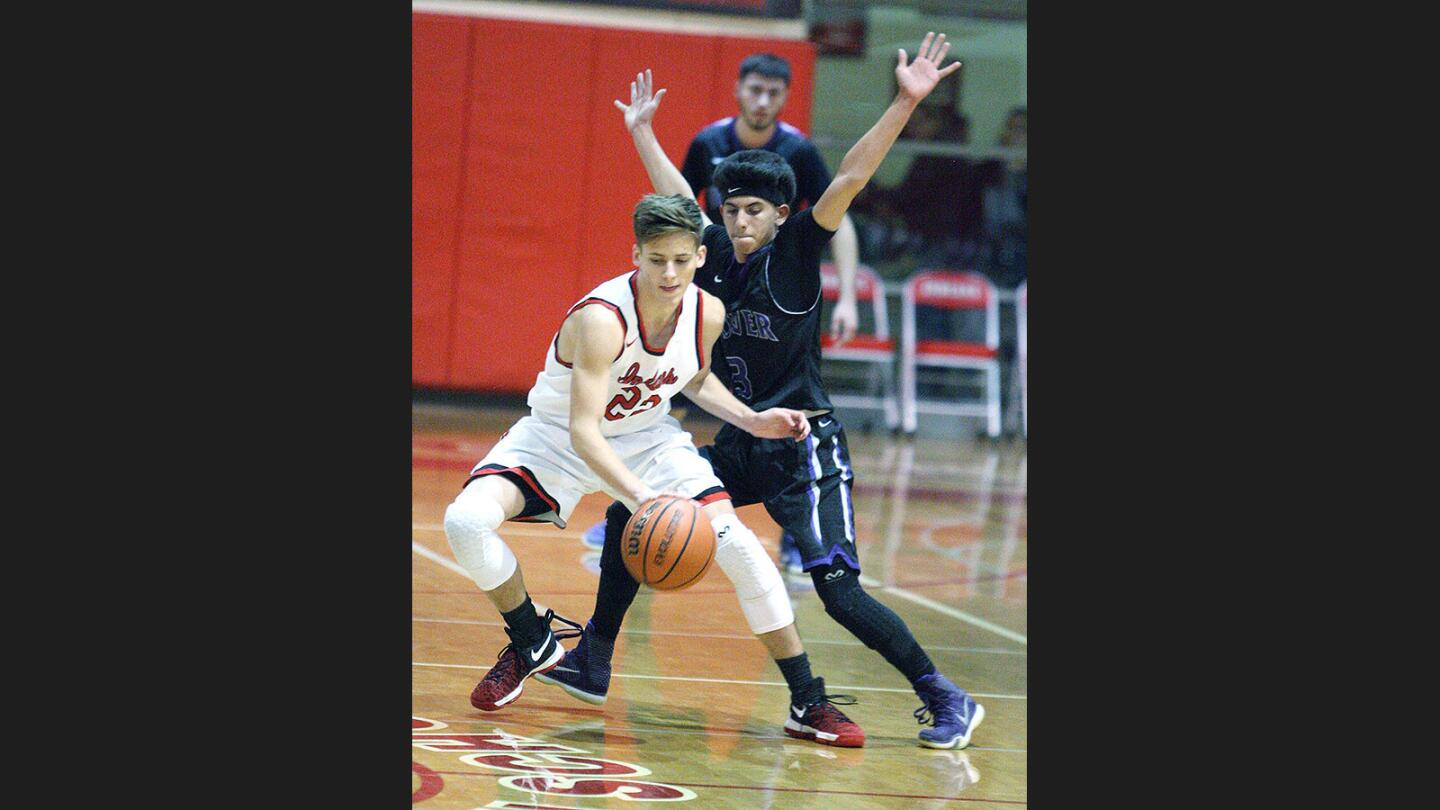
[926, 713]
[506, 663]
[563, 634]
[827, 704]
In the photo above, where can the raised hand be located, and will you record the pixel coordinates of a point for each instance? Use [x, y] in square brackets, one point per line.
[643, 103]
[918, 78]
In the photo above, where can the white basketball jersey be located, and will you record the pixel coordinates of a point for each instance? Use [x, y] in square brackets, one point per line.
[643, 378]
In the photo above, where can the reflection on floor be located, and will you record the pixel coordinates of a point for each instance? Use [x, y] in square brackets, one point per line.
[695, 709]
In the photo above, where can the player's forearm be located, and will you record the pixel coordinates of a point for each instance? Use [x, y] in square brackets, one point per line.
[715, 399]
[600, 457]
[846, 248]
[663, 175]
[860, 163]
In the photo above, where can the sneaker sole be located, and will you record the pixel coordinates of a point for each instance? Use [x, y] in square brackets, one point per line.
[549, 664]
[578, 694]
[959, 741]
[803, 732]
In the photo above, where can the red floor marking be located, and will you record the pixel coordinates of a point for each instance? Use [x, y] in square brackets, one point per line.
[797, 790]
[420, 462]
[430, 783]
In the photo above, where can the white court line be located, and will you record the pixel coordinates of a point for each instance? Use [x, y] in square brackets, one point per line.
[836, 687]
[445, 561]
[554, 533]
[737, 637]
[953, 613]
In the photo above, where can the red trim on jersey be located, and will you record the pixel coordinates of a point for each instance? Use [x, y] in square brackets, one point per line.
[700, 327]
[624, 328]
[640, 322]
[722, 495]
[529, 481]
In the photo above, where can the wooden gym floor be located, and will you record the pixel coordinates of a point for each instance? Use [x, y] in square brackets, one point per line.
[695, 709]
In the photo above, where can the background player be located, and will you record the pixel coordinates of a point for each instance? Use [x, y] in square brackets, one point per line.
[769, 278]
[760, 91]
[599, 422]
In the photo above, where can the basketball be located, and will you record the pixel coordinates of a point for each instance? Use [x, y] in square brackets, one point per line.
[666, 544]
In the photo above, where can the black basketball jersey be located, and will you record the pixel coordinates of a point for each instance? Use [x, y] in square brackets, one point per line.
[769, 352]
[718, 141]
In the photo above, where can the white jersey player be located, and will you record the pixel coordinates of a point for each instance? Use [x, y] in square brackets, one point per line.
[599, 422]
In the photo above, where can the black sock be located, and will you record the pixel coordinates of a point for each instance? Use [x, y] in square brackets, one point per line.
[525, 627]
[617, 588]
[804, 688]
[870, 621]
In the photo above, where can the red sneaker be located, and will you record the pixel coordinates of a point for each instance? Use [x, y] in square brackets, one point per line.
[824, 723]
[506, 680]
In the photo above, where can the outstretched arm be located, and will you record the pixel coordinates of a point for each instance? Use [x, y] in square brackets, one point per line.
[638, 114]
[845, 319]
[714, 398]
[915, 80]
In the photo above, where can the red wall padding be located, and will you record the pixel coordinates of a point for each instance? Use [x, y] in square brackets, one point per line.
[532, 208]
[438, 91]
[522, 222]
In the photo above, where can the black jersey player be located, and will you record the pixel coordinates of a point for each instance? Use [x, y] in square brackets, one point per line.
[761, 90]
[764, 264]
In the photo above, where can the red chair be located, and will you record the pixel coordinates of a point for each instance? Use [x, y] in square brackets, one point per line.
[875, 349]
[950, 291]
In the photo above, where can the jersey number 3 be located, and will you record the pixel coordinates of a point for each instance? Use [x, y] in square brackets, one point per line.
[739, 378]
[627, 400]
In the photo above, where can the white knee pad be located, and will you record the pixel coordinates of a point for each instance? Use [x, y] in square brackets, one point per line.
[470, 525]
[757, 581]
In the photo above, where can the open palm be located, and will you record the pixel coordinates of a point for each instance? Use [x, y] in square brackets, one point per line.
[643, 101]
[918, 78]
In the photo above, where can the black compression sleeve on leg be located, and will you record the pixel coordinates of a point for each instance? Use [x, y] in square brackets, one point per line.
[803, 687]
[523, 622]
[869, 620]
[617, 588]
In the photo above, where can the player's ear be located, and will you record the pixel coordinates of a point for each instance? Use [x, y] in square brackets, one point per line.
[782, 213]
[700, 256]
[635, 255]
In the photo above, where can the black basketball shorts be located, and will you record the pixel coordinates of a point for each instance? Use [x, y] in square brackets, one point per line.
[805, 486]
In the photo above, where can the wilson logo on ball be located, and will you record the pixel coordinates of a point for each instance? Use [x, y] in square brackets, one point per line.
[667, 545]
[636, 527]
[669, 535]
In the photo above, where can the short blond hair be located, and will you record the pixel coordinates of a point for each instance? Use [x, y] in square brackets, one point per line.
[661, 214]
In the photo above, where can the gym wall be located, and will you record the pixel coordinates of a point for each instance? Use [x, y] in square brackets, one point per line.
[524, 176]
